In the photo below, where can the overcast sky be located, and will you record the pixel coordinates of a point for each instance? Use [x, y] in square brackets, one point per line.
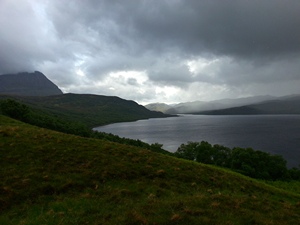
[156, 50]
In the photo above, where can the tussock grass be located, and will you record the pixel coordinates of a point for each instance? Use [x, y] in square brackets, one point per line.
[48, 177]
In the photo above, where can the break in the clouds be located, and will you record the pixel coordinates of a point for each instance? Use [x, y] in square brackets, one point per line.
[156, 51]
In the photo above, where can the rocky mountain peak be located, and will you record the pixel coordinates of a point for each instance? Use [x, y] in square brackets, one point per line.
[28, 84]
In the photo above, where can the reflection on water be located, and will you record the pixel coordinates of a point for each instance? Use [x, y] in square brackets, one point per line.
[277, 134]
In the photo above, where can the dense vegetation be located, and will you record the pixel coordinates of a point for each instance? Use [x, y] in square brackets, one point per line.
[256, 164]
[48, 177]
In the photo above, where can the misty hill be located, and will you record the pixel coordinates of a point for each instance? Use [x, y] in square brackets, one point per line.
[28, 84]
[159, 107]
[283, 105]
[197, 106]
[91, 110]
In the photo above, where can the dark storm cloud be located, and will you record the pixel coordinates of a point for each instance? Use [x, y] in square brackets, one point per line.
[237, 28]
[16, 36]
[176, 43]
[258, 31]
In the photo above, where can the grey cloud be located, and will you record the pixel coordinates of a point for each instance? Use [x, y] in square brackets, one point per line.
[255, 41]
[234, 28]
[238, 28]
[170, 72]
[26, 41]
[132, 81]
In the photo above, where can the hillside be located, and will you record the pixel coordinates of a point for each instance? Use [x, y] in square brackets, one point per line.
[28, 84]
[284, 105]
[49, 177]
[91, 110]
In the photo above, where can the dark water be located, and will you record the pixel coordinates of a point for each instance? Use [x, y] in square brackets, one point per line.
[277, 134]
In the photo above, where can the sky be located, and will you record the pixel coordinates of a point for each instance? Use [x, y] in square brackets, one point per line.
[150, 51]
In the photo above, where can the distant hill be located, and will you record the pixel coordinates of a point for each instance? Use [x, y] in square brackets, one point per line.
[283, 105]
[92, 110]
[28, 84]
[159, 107]
[197, 106]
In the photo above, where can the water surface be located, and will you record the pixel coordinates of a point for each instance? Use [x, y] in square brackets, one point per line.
[277, 134]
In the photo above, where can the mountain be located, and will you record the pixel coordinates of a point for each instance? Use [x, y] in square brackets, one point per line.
[282, 105]
[91, 110]
[28, 84]
[197, 106]
[49, 177]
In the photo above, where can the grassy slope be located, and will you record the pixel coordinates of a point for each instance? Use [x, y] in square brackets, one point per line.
[48, 177]
[91, 110]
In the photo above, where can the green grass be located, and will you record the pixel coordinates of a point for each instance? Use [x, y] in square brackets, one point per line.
[291, 186]
[47, 177]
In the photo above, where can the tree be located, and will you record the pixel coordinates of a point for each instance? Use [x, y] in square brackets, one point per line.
[222, 155]
[205, 153]
[187, 151]
[277, 167]
[15, 110]
[294, 173]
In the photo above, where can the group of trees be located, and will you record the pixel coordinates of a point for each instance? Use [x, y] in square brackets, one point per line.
[256, 164]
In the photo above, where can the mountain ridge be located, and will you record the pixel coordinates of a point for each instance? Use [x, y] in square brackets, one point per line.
[89, 109]
[251, 105]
